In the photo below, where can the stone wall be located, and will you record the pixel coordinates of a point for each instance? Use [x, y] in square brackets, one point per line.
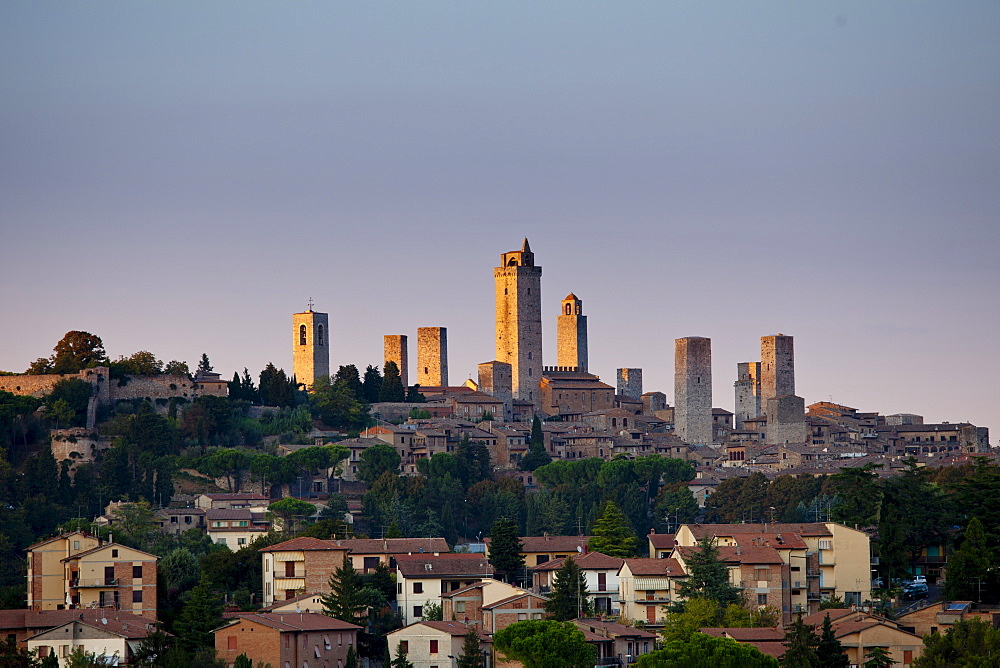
[396, 349]
[785, 420]
[777, 367]
[747, 388]
[630, 383]
[519, 321]
[432, 356]
[495, 379]
[310, 346]
[77, 445]
[693, 390]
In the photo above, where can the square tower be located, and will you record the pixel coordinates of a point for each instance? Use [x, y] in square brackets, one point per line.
[310, 346]
[495, 380]
[693, 390]
[519, 321]
[777, 367]
[747, 385]
[432, 356]
[395, 350]
[630, 383]
[571, 334]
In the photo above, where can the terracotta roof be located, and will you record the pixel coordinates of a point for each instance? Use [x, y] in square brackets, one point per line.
[302, 544]
[393, 545]
[551, 543]
[294, 621]
[779, 541]
[416, 565]
[133, 626]
[463, 590]
[738, 555]
[661, 541]
[107, 546]
[816, 618]
[454, 628]
[237, 497]
[62, 535]
[741, 634]
[611, 630]
[504, 601]
[587, 561]
[283, 602]
[228, 514]
[803, 529]
[670, 567]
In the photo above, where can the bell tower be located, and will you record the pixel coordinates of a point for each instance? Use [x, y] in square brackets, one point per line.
[310, 346]
[571, 334]
[519, 320]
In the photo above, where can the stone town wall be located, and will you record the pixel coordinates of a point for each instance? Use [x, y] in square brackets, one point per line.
[432, 356]
[395, 348]
[77, 445]
[693, 390]
[40, 385]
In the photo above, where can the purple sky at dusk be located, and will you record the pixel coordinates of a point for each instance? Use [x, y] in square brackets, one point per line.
[181, 177]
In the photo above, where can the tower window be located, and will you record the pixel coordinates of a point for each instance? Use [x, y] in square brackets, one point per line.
[505, 290]
[529, 371]
[425, 370]
[302, 335]
[319, 335]
[569, 309]
[529, 355]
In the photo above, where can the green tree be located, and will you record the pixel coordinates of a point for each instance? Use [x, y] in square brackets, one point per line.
[800, 645]
[708, 576]
[176, 368]
[345, 600]
[204, 364]
[569, 598]
[12, 657]
[62, 413]
[544, 643]
[432, 612]
[349, 376]
[392, 386]
[401, 661]
[142, 363]
[969, 567]
[291, 511]
[135, 525]
[674, 505]
[352, 658]
[152, 650]
[371, 384]
[695, 614]
[878, 657]
[75, 393]
[337, 406]
[76, 351]
[413, 395]
[613, 534]
[242, 661]
[471, 657]
[376, 460]
[971, 643]
[275, 388]
[505, 549]
[201, 612]
[829, 651]
[536, 456]
[701, 649]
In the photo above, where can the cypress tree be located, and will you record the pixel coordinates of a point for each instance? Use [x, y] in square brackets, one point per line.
[505, 549]
[392, 385]
[569, 596]
[345, 600]
[537, 456]
[613, 534]
[829, 651]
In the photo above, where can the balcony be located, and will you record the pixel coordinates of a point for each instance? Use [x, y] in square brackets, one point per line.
[657, 598]
[83, 583]
[608, 661]
[813, 596]
[812, 574]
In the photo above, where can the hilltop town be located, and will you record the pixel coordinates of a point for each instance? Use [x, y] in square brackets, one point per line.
[367, 517]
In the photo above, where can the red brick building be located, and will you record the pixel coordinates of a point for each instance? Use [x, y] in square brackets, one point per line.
[287, 640]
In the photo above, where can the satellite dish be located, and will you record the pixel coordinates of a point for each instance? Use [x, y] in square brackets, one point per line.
[104, 620]
[579, 549]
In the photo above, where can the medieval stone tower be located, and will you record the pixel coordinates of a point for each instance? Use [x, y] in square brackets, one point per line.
[693, 390]
[777, 367]
[747, 384]
[495, 380]
[310, 346]
[571, 334]
[432, 356]
[395, 350]
[519, 320]
[630, 383]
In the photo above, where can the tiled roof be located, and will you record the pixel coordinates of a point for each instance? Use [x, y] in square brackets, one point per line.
[228, 514]
[505, 601]
[294, 621]
[40, 620]
[661, 541]
[816, 618]
[586, 561]
[803, 529]
[302, 544]
[393, 545]
[611, 630]
[430, 566]
[107, 546]
[738, 555]
[551, 543]
[454, 628]
[670, 567]
[237, 497]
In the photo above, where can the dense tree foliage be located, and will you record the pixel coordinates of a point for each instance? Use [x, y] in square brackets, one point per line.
[569, 597]
[968, 643]
[74, 352]
[537, 455]
[547, 643]
[708, 576]
[613, 534]
[392, 386]
[701, 649]
[505, 549]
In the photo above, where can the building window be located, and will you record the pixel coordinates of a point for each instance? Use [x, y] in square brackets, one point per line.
[302, 335]
[76, 545]
[406, 646]
[319, 335]
[434, 647]
[418, 611]
[241, 541]
[136, 572]
[137, 596]
[231, 642]
[459, 606]
[418, 587]
[114, 554]
[761, 599]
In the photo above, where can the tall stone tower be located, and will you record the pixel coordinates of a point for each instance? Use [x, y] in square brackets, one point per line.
[630, 383]
[747, 385]
[777, 367]
[395, 350]
[495, 380]
[310, 346]
[519, 320]
[432, 356]
[571, 334]
[693, 390]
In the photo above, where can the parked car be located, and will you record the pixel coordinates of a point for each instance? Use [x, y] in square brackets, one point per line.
[915, 590]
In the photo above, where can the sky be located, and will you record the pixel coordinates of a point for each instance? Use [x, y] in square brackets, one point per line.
[181, 177]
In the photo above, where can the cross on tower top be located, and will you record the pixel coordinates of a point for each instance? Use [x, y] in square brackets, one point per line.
[310, 306]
